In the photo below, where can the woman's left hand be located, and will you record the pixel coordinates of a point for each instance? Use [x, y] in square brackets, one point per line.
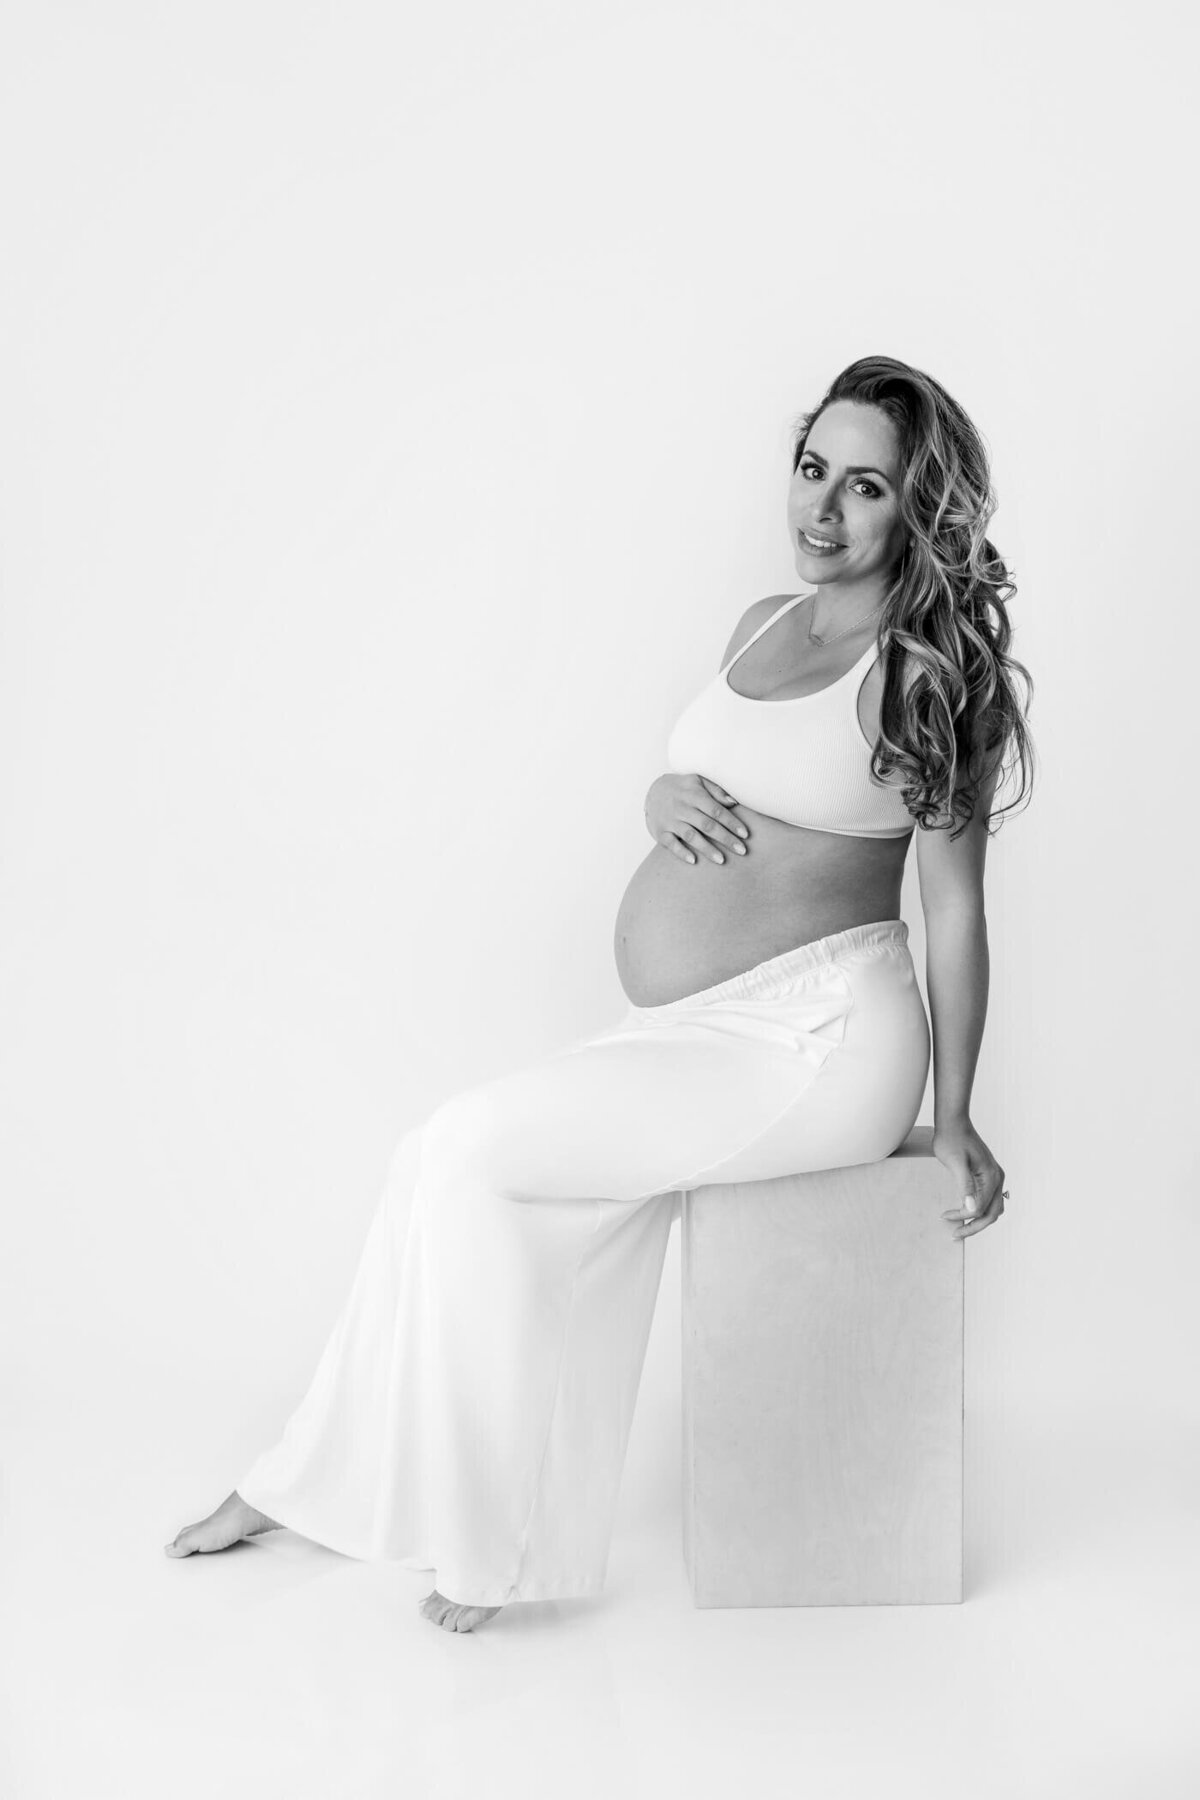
[977, 1174]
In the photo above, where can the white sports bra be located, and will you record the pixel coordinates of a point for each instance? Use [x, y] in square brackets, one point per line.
[805, 760]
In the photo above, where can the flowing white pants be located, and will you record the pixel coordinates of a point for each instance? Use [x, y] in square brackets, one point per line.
[471, 1410]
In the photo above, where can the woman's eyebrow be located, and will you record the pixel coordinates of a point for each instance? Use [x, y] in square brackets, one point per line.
[817, 457]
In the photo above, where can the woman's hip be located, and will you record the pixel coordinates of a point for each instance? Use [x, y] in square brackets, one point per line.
[849, 1010]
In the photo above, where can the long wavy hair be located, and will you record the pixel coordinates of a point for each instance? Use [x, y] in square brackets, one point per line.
[951, 714]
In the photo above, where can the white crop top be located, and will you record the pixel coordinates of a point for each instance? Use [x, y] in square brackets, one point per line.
[806, 760]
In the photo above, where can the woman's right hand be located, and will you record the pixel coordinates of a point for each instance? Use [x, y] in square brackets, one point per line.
[690, 810]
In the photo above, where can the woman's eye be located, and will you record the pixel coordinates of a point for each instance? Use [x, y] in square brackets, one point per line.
[812, 469]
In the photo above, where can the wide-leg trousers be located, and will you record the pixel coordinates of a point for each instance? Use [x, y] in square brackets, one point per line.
[471, 1410]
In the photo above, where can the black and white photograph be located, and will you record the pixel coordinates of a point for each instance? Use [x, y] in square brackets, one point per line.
[596, 764]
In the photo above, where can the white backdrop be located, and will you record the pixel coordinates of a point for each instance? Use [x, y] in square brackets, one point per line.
[395, 424]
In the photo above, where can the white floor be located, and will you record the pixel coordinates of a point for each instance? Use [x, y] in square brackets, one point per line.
[282, 1669]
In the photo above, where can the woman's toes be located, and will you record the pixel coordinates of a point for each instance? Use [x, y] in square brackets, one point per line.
[466, 1618]
[233, 1520]
[453, 1615]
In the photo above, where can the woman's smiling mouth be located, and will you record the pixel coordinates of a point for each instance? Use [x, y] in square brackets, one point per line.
[818, 546]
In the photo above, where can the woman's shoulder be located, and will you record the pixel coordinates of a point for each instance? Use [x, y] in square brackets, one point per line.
[755, 615]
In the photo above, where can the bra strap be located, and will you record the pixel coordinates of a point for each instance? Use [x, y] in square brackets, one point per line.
[765, 626]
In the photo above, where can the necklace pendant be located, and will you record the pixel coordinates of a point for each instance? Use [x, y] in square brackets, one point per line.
[822, 641]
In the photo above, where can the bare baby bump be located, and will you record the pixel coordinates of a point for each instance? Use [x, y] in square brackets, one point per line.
[683, 926]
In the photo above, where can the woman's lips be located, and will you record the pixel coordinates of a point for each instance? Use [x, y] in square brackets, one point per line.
[811, 549]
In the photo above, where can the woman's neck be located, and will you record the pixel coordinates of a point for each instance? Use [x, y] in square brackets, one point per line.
[835, 609]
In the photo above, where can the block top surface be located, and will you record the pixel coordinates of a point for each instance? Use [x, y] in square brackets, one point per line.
[919, 1142]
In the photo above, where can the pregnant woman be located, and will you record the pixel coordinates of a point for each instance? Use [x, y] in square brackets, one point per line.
[471, 1410]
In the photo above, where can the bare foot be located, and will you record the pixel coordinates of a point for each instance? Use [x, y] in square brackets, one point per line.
[451, 1616]
[233, 1520]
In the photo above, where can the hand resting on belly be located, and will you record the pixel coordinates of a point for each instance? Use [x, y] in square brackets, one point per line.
[683, 925]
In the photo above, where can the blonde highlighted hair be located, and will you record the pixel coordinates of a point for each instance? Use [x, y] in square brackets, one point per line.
[951, 715]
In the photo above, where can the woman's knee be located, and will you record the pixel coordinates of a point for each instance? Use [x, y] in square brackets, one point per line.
[464, 1134]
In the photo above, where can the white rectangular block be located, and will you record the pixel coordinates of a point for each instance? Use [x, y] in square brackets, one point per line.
[823, 1387]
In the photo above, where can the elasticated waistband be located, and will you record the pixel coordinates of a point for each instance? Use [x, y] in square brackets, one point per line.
[778, 972]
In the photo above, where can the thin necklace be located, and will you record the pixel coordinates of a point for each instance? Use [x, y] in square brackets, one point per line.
[837, 634]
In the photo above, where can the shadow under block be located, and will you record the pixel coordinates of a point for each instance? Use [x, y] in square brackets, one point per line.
[822, 1387]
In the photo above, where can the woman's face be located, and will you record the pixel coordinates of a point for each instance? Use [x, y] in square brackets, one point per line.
[846, 487]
